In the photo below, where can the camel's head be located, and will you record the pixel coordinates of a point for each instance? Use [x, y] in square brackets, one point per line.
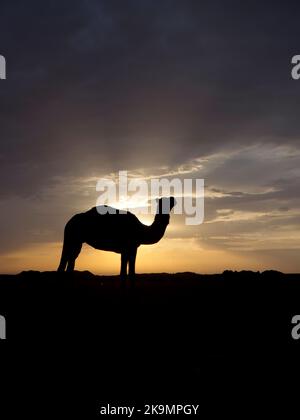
[165, 205]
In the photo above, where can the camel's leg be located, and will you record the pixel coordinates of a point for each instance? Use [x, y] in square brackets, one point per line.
[132, 258]
[62, 265]
[73, 254]
[124, 263]
[64, 259]
[71, 265]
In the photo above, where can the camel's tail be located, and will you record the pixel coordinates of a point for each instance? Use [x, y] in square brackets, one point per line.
[65, 250]
[71, 247]
[64, 258]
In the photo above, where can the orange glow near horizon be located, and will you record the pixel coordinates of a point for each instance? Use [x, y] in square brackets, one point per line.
[170, 255]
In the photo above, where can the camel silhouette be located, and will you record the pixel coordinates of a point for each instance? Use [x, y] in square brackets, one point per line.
[109, 229]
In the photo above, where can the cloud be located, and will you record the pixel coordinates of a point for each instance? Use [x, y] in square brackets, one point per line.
[101, 85]
[170, 88]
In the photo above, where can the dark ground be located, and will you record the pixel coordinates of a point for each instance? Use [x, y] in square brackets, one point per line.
[80, 339]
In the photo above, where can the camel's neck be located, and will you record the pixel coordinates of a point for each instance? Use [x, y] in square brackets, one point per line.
[156, 231]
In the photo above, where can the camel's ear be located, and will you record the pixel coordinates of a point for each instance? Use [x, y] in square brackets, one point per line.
[165, 204]
[172, 202]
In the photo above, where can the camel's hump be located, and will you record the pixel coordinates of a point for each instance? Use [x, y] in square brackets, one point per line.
[105, 218]
[107, 210]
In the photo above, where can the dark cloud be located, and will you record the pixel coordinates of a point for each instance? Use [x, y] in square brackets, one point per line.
[97, 83]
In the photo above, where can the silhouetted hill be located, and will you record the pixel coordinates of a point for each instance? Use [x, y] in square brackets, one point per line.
[172, 334]
[233, 311]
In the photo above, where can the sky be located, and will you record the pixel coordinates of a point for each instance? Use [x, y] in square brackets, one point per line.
[188, 88]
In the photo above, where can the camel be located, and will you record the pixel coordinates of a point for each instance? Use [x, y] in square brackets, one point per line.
[109, 229]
